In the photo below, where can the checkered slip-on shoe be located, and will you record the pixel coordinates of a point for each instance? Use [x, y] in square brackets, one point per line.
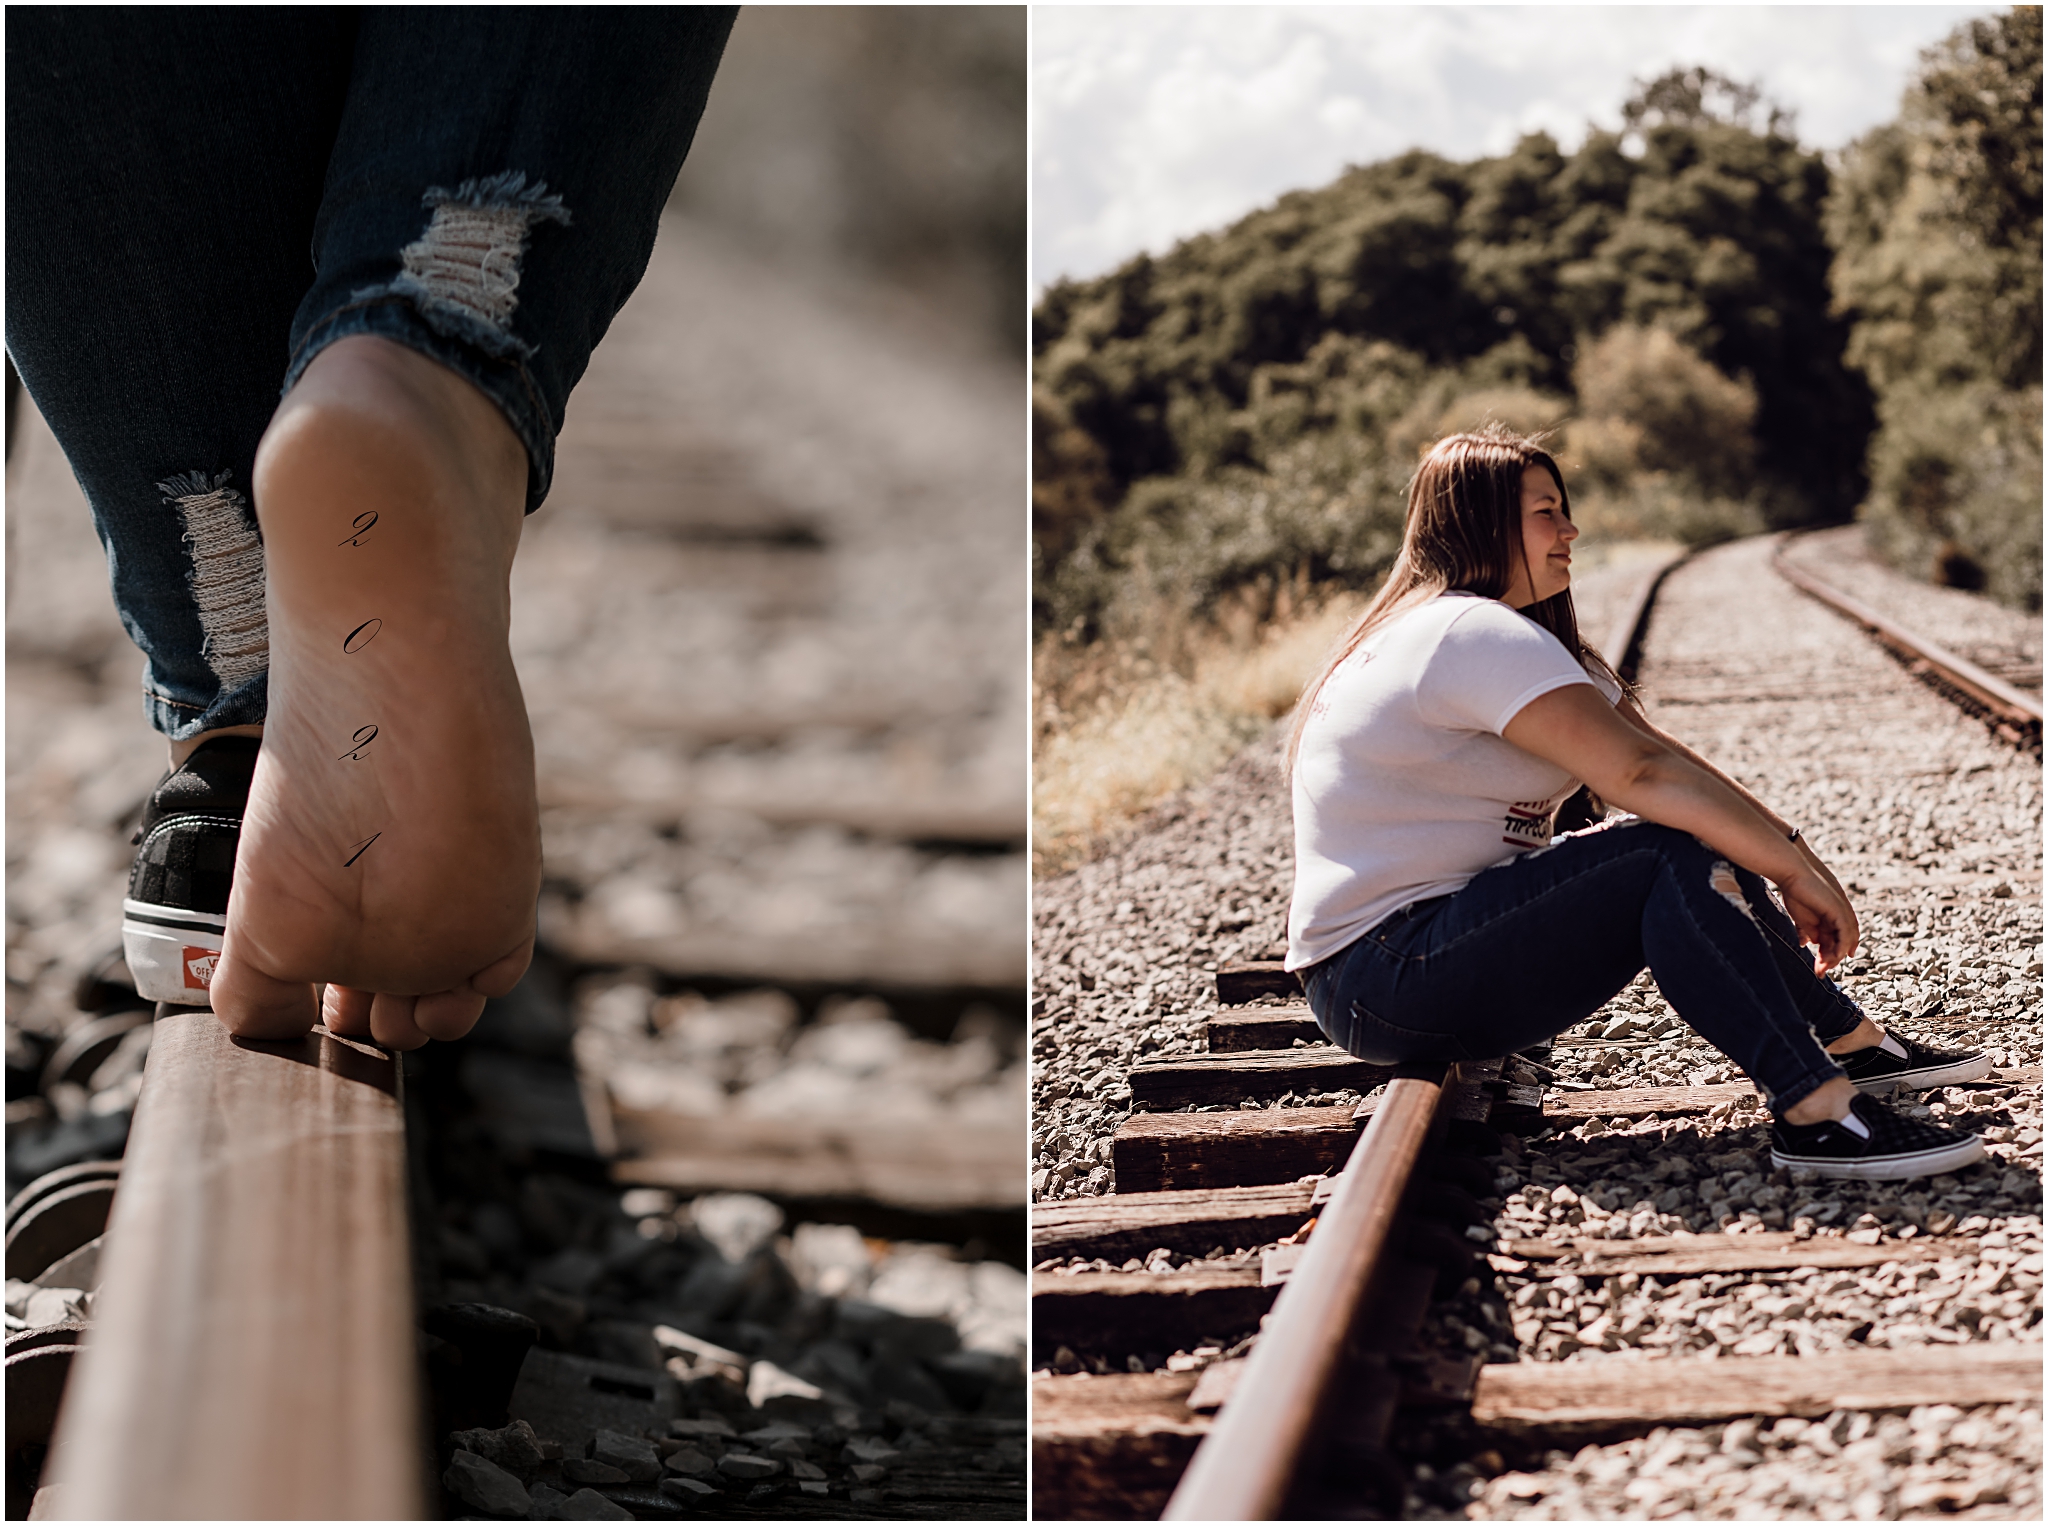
[176, 909]
[1873, 1144]
[1900, 1061]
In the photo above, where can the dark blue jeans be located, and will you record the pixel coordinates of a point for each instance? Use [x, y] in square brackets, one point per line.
[200, 200]
[1528, 948]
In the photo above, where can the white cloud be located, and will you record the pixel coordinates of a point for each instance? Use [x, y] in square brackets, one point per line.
[1151, 123]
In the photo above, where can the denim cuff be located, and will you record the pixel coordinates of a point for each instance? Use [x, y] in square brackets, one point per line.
[242, 706]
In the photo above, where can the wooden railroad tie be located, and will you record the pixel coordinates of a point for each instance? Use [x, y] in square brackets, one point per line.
[1143, 1311]
[1265, 1075]
[1242, 980]
[1233, 1030]
[1192, 1223]
[1120, 1442]
[1164, 1151]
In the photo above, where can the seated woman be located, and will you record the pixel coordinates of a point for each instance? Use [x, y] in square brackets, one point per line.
[1435, 919]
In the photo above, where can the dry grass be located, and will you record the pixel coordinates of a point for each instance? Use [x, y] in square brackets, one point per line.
[1119, 728]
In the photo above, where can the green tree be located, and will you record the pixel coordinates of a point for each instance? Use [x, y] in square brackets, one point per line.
[1937, 220]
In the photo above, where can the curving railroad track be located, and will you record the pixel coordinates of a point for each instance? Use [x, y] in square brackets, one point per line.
[1562, 1285]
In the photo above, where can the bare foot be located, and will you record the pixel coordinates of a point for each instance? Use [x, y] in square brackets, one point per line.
[391, 846]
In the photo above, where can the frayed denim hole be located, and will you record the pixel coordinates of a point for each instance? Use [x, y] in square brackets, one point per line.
[463, 273]
[227, 574]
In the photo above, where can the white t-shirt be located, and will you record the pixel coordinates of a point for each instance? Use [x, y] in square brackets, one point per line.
[1403, 787]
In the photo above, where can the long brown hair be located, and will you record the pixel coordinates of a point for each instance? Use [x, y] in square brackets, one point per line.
[1464, 531]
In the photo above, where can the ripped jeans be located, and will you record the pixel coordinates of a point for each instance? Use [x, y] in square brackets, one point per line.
[200, 200]
[1528, 948]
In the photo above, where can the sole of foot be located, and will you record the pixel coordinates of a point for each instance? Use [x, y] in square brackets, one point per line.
[391, 846]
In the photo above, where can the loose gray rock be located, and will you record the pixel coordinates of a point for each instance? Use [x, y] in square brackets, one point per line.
[689, 1462]
[485, 1486]
[688, 1490]
[589, 1505]
[629, 1454]
[515, 1447]
[743, 1466]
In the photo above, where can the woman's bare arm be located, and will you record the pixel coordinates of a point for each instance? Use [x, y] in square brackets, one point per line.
[1629, 712]
[1637, 768]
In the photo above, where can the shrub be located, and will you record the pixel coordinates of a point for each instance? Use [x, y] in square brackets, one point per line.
[1676, 413]
[1956, 488]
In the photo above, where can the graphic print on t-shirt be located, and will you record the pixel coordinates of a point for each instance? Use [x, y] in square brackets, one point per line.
[1528, 824]
[1321, 706]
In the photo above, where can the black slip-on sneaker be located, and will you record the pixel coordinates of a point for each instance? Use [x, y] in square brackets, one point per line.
[1900, 1061]
[176, 909]
[1873, 1144]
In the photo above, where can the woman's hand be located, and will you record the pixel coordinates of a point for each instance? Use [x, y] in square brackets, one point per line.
[1821, 912]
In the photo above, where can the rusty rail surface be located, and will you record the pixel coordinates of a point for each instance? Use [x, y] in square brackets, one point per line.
[252, 1352]
[1244, 1468]
[2009, 704]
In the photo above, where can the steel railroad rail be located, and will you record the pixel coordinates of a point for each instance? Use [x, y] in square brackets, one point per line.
[2015, 713]
[252, 1352]
[1246, 1469]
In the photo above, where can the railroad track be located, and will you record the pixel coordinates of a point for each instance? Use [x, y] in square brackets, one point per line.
[1370, 1315]
[269, 1334]
[2013, 712]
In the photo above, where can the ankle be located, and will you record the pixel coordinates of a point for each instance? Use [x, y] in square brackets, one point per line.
[1828, 1102]
[395, 402]
[180, 751]
[1865, 1035]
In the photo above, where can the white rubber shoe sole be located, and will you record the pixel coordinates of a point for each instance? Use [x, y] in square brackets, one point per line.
[1887, 1168]
[171, 952]
[1975, 1068]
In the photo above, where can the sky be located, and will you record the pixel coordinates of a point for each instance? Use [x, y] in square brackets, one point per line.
[1151, 123]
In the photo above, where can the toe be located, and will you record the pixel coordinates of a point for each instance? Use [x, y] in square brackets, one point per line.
[498, 979]
[254, 1005]
[391, 1022]
[448, 1014]
[346, 1011]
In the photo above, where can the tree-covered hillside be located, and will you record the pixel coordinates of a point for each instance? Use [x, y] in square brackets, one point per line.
[1242, 413]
